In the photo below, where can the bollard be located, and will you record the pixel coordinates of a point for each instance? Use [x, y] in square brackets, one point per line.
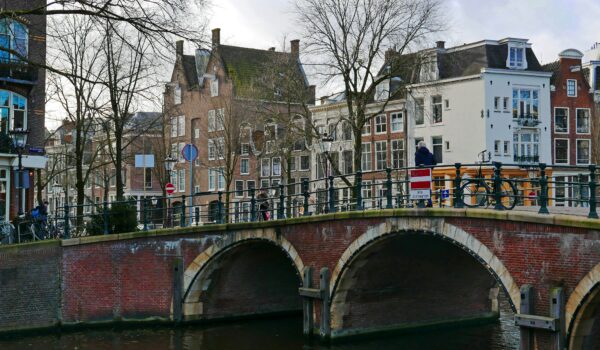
[593, 214]
[458, 201]
[105, 217]
[358, 189]
[498, 186]
[252, 205]
[220, 208]
[388, 185]
[67, 228]
[331, 195]
[543, 190]
[306, 195]
[281, 202]
[182, 220]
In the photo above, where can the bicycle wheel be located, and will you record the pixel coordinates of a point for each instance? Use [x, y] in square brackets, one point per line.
[508, 194]
[475, 193]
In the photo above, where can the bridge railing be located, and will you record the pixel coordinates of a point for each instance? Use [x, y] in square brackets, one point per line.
[494, 186]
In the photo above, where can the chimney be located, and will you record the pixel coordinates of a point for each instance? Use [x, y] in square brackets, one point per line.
[312, 93]
[389, 54]
[295, 45]
[179, 48]
[216, 37]
[440, 44]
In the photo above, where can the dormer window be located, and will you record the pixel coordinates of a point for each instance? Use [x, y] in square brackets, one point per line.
[516, 57]
[382, 91]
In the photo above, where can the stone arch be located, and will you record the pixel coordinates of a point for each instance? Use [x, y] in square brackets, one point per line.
[436, 227]
[192, 277]
[580, 307]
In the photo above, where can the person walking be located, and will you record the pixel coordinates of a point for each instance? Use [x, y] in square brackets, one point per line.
[263, 205]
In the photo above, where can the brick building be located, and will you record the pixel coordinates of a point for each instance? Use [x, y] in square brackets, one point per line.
[237, 105]
[572, 111]
[22, 95]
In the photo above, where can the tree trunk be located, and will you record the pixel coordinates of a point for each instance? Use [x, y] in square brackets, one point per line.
[119, 162]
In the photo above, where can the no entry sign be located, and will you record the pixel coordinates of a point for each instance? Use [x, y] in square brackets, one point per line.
[170, 188]
[420, 184]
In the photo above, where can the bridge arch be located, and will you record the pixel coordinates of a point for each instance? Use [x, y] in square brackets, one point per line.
[200, 275]
[342, 278]
[583, 312]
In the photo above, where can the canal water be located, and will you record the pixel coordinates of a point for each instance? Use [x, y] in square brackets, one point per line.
[284, 333]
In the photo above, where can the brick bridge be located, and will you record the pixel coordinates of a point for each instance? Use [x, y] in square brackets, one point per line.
[374, 271]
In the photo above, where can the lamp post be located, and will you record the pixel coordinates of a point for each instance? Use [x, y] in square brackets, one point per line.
[55, 191]
[19, 139]
[169, 165]
[326, 143]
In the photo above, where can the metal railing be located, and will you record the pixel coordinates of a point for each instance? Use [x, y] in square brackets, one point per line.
[494, 186]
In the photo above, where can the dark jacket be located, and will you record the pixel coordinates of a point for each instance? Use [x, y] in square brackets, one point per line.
[424, 157]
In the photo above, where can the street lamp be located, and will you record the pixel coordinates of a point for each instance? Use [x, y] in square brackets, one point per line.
[19, 139]
[326, 143]
[55, 191]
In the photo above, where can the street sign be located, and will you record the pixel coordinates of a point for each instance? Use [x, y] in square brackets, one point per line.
[144, 160]
[420, 184]
[170, 188]
[189, 152]
[36, 150]
[445, 194]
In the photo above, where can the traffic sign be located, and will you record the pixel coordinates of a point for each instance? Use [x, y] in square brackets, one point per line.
[170, 188]
[445, 194]
[189, 152]
[420, 184]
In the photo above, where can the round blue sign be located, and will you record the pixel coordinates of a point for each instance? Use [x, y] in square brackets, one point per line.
[189, 152]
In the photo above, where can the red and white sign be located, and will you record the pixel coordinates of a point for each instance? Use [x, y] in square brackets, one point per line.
[420, 184]
[170, 188]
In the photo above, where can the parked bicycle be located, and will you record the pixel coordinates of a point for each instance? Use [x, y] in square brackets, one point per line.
[7, 233]
[479, 191]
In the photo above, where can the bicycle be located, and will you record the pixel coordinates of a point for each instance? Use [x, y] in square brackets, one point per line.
[480, 191]
[7, 233]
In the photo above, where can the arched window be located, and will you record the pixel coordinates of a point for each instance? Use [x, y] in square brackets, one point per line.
[13, 36]
[13, 111]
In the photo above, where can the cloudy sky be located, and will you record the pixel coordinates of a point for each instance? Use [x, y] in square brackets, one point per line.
[550, 25]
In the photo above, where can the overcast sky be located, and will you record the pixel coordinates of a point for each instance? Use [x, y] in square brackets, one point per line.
[550, 25]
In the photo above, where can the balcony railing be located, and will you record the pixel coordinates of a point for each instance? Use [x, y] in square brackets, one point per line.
[527, 120]
[17, 70]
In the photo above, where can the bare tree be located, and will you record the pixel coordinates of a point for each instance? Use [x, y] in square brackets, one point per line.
[349, 39]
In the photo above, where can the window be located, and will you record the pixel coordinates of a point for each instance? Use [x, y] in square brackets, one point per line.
[212, 123]
[397, 121]
[264, 183]
[505, 103]
[571, 87]
[526, 147]
[250, 185]
[212, 179]
[381, 124]
[245, 149]
[181, 180]
[220, 147]
[437, 149]
[13, 111]
[561, 151]
[179, 153]
[381, 154]
[397, 154]
[332, 131]
[214, 87]
[366, 162]
[583, 121]
[561, 120]
[506, 148]
[196, 189]
[239, 188]
[13, 36]
[366, 129]
[419, 111]
[382, 91]
[583, 151]
[212, 150]
[220, 179]
[304, 163]
[196, 133]
[271, 131]
[497, 145]
[220, 119]
[265, 167]
[367, 191]
[496, 103]
[346, 131]
[447, 104]
[291, 162]
[348, 159]
[244, 166]
[525, 103]
[181, 125]
[177, 95]
[174, 132]
[276, 166]
[436, 108]
[147, 177]
[516, 57]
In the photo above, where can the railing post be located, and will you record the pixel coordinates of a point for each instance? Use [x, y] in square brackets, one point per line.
[458, 201]
[220, 208]
[281, 203]
[388, 186]
[593, 214]
[182, 220]
[145, 213]
[252, 205]
[331, 195]
[67, 228]
[105, 217]
[498, 185]
[581, 189]
[306, 194]
[358, 186]
[543, 190]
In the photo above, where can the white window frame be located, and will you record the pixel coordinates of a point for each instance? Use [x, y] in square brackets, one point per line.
[397, 122]
[212, 180]
[214, 87]
[394, 149]
[181, 180]
[574, 82]
[589, 114]
[177, 95]
[300, 165]
[568, 151]
[366, 129]
[420, 111]
[577, 151]
[513, 61]
[439, 108]
[212, 149]
[242, 161]
[181, 125]
[366, 164]
[383, 150]
[276, 160]
[237, 194]
[568, 121]
[265, 167]
[174, 126]
[212, 115]
[380, 127]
